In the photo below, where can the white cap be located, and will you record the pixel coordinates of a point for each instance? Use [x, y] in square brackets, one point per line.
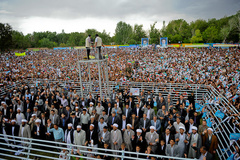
[92, 125]
[194, 127]
[139, 130]
[32, 91]
[76, 108]
[19, 109]
[32, 86]
[13, 120]
[129, 125]
[69, 124]
[3, 102]
[181, 127]
[14, 90]
[38, 121]
[115, 125]
[6, 119]
[24, 120]
[152, 127]
[79, 126]
[92, 116]
[210, 129]
[33, 115]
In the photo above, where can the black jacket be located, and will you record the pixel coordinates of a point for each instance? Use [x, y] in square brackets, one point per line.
[94, 137]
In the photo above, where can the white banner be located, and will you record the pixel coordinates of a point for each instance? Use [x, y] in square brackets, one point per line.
[135, 91]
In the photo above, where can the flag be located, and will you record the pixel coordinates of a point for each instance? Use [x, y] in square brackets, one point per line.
[219, 114]
[234, 137]
[20, 54]
[209, 123]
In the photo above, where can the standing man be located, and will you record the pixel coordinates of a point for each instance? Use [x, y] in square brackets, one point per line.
[194, 143]
[210, 141]
[24, 131]
[98, 44]
[79, 138]
[88, 45]
[115, 138]
[172, 149]
[152, 138]
[69, 135]
[58, 135]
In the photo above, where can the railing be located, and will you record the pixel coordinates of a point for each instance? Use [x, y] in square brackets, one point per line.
[28, 146]
[224, 130]
[174, 89]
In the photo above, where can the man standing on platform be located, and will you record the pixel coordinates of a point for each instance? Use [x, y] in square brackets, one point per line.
[98, 44]
[88, 45]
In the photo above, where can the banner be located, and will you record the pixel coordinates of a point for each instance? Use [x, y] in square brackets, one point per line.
[20, 54]
[164, 42]
[135, 91]
[61, 48]
[145, 42]
[197, 45]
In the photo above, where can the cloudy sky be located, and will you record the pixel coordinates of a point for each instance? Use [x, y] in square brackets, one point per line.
[78, 15]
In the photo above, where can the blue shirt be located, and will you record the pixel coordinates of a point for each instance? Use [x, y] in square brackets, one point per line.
[58, 134]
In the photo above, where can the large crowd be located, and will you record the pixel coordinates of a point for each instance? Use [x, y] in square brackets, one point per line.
[149, 123]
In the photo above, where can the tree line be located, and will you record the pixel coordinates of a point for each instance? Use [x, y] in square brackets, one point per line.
[224, 30]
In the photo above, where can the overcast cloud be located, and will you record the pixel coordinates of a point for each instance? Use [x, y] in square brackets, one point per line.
[78, 15]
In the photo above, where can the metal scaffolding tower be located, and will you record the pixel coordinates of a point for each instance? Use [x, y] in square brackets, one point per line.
[102, 74]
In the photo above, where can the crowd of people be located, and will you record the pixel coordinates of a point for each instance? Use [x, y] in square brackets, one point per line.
[149, 123]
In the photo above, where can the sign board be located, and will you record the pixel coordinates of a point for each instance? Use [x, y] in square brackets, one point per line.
[135, 91]
[145, 42]
[164, 42]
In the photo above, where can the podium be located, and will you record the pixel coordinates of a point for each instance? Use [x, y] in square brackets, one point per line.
[102, 72]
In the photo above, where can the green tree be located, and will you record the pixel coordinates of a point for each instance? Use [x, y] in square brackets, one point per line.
[105, 37]
[154, 34]
[132, 41]
[224, 32]
[123, 32]
[138, 33]
[74, 39]
[5, 37]
[197, 37]
[198, 24]
[177, 29]
[45, 42]
[210, 35]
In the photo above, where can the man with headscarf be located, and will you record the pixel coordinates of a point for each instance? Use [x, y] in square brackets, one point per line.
[24, 131]
[38, 130]
[79, 138]
[115, 138]
[127, 136]
[138, 140]
[194, 143]
[19, 116]
[180, 140]
[69, 135]
[210, 141]
[92, 137]
[152, 138]
[12, 129]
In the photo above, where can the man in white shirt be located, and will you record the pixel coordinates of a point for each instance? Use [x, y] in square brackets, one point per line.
[88, 45]
[98, 44]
